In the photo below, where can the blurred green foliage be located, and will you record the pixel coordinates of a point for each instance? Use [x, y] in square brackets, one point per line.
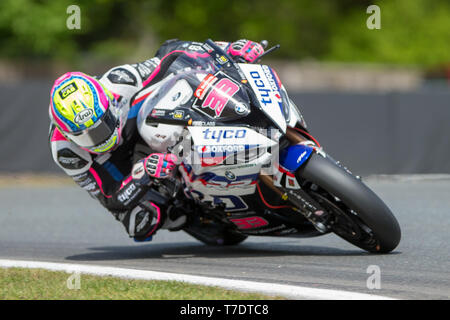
[413, 32]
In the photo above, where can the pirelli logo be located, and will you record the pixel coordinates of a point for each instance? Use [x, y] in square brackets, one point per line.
[68, 90]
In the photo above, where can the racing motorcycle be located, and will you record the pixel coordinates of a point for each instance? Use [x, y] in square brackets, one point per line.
[249, 166]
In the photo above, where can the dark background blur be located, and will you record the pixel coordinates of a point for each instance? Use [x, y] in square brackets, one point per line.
[379, 100]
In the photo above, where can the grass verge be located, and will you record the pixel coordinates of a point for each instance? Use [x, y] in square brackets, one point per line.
[38, 284]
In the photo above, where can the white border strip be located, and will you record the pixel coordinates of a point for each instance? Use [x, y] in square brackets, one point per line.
[272, 289]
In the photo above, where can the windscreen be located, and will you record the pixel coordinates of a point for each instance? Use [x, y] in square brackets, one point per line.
[200, 84]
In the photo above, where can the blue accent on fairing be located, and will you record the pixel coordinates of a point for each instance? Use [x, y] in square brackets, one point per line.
[294, 156]
[205, 176]
[150, 238]
[211, 176]
[134, 110]
[253, 177]
[113, 171]
[187, 167]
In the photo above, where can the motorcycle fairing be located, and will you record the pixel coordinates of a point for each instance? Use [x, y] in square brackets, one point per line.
[232, 185]
[294, 156]
[213, 145]
[229, 135]
[267, 91]
[240, 181]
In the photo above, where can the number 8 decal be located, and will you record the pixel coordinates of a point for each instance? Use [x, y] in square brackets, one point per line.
[250, 222]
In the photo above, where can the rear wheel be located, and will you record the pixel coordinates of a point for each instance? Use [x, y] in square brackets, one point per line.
[356, 213]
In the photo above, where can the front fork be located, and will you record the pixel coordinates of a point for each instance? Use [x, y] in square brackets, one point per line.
[290, 160]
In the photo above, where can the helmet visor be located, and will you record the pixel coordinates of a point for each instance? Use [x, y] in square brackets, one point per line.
[98, 134]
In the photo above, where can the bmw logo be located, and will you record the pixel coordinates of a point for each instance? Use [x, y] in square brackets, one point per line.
[240, 108]
[230, 175]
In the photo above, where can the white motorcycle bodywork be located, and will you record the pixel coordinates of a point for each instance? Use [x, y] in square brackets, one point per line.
[209, 167]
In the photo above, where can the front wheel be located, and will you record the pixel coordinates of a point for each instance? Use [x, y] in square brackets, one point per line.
[356, 213]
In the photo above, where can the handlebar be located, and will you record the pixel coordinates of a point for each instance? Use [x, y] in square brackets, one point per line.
[264, 44]
[223, 59]
[216, 52]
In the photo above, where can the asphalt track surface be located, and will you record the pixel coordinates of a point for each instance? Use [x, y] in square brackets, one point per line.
[63, 224]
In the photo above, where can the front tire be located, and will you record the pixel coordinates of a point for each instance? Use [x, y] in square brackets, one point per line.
[358, 215]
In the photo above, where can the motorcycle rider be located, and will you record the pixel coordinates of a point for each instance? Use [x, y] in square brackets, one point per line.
[94, 137]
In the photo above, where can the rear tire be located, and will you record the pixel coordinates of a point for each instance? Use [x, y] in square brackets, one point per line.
[373, 226]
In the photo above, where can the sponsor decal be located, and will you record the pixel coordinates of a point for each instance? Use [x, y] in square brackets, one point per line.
[84, 116]
[218, 135]
[178, 114]
[244, 166]
[268, 230]
[204, 86]
[219, 96]
[269, 75]
[70, 161]
[222, 44]
[158, 113]
[160, 136]
[95, 193]
[226, 148]
[300, 158]
[194, 47]
[203, 123]
[250, 222]
[240, 108]
[222, 59]
[223, 185]
[125, 195]
[207, 48]
[306, 205]
[68, 90]
[291, 183]
[230, 175]
[80, 177]
[263, 91]
[108, 144]
[122, 76]
[90, 187]
[146, 68]
[87, 183]
[138, 171]
[264, 85]
[144, 221]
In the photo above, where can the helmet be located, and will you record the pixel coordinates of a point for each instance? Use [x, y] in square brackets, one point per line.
[86, 113]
